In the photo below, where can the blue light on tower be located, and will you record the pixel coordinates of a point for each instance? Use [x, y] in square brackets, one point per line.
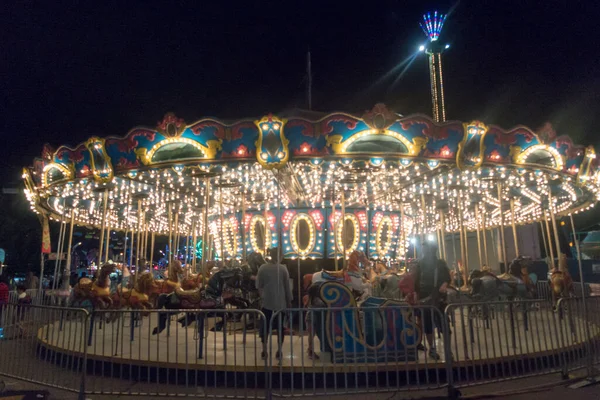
[433, 26]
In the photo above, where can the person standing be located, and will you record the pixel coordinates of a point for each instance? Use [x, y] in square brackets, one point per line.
[432, 280]
[273, 284]
[32, 281]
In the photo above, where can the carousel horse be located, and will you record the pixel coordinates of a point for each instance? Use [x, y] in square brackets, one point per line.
[220, 291]
[90, 294]
[387, 281]
[350, 276]
[138, 297]
[560, 281]
[168, 285]
[515, 283]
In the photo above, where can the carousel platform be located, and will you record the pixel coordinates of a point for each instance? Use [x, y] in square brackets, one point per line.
[540, 337]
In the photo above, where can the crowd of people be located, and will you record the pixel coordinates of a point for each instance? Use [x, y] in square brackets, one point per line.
[424, 286]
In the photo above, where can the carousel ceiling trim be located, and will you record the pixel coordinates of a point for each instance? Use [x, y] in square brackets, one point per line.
[309, 163]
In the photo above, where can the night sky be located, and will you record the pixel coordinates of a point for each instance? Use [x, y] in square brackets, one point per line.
[70, 70]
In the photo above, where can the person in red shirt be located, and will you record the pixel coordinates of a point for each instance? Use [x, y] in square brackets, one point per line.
[3, 290]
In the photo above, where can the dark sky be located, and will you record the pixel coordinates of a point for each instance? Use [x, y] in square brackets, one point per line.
[69, 70]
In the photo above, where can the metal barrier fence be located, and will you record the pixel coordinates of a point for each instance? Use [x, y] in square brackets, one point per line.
[219, 353]
[543, 291]
[23, 327]
[38, 298]
[359, 350]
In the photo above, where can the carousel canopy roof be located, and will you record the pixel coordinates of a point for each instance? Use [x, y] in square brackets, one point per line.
[377, 161]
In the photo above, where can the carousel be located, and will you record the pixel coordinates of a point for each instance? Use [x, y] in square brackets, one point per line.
[334, 192]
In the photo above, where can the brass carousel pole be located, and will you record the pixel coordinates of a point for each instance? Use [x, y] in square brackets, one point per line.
[124, 260]
[147, 235]
[334, 228]
[403, 236]
[131, 248]
[187, 248]
[170, 242]
[502, 239]
[244, 253]
[437, 233]
[138, 247]
[544, 239]
[194, 241]
[176, 235]
[514, 227]
[485, 248]
[67, 271]
[205, 225]
[103, 225]
[344, 261]
[107, 241]
[462, 241]
[222, 217]
[59, 249]
[478, 238]
[552, 265]
[266, 230]
[551, 207]
[443, 234]
[424, 224]
[151, 249]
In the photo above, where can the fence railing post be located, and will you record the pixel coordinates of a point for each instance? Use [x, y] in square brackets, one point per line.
[83, 343]
[452, 392]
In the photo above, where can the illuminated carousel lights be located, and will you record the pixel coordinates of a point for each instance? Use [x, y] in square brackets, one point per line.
[303, 253]
[253, 242]
[383, 247]
[340, 229]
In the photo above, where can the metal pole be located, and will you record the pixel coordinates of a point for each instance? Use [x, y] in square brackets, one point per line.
[552, 265]
[334, 233]
[244, 253]
[463, 244]
[107, 241]
[544, 239]
[344, 261]
[176, 235]
[139, 239]
[222, 224]
[403, 236]
[583, 300]
[194, 241]
[502, 239]
[67, 271]
[443, 234]
[551, 206]
[266, 230]
[131, 248]
[514, 227]
[484, 231]
[61, 234]
[170, 242]
[424, 225]
[478, 238]
[125, 247]
[151, 250]
[205, 233]
[187, 248]
[146, 235]
[103, 225]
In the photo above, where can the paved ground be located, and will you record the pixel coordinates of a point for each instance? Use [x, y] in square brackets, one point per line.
[557, 392]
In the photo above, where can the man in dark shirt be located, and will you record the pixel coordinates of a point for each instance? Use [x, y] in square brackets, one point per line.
[431, 283]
